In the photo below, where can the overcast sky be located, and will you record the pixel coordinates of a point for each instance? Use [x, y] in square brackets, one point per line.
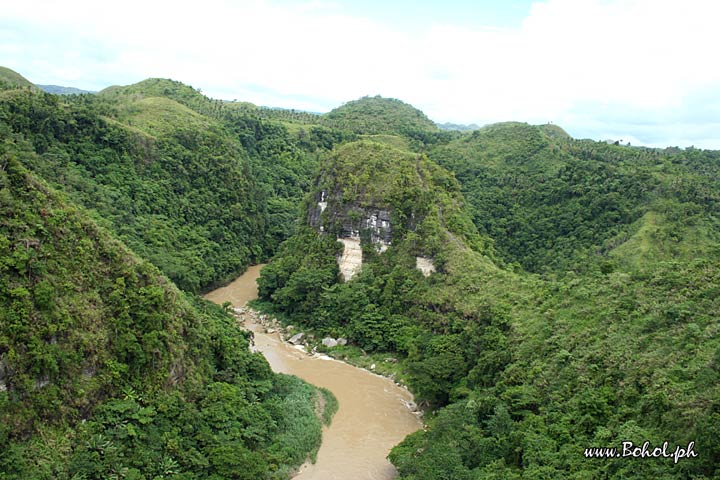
[644, 71]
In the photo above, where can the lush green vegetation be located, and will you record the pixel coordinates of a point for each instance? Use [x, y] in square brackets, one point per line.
[173, 184]
[574, 304]
[522, 372]
[199, 189]
[378, 115]
[553, 204]
[109, 371]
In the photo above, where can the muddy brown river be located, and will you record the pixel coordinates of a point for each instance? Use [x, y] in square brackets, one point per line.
[372, 417]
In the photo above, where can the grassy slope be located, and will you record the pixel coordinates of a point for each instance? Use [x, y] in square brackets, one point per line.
[13, 79]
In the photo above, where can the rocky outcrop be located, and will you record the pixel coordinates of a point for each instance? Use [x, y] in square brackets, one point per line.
[349, 223]
[4, 373]
[297, 339]
[329, 342]
[329, 214]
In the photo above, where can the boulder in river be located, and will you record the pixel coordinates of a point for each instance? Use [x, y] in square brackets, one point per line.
[297, 338]
[329, 342]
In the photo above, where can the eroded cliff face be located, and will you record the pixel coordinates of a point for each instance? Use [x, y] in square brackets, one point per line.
[350, 223]
[354, 225]
[328, 214]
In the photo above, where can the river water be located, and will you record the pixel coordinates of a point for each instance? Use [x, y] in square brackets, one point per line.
[372, 417]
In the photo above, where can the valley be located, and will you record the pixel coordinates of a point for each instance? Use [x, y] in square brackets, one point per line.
[537, 293]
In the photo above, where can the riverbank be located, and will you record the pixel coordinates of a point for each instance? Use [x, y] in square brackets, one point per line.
[373, 414]
[379, 365]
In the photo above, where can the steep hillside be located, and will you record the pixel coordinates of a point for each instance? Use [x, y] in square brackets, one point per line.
[553, 204]
[200, 187]
[172, 183]
[108, 371]
[406, 216]
[282, 148]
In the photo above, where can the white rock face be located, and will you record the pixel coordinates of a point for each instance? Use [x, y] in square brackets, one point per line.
[350, 262]
[425, 265]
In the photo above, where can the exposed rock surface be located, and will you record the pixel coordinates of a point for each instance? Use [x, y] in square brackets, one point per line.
[350, 262]
[425, 265]
[348, 221]
[329, 342]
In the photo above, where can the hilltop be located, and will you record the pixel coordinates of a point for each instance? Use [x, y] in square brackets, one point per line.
[378, 115]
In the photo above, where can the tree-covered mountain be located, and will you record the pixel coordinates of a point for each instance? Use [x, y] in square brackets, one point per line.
[107, 370]
[378, 115]
[200, 189]
[552, 203]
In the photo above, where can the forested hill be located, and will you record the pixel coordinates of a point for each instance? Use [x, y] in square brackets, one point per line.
[523, 372]
[553, 204]
[378, 115]
[200, 190]
[107, 370]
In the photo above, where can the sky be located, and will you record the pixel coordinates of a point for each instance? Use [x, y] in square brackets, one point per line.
[641, 71]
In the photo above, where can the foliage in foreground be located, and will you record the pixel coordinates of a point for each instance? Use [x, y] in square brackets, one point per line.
[109, 371]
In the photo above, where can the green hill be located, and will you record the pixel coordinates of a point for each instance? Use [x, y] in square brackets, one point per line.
[549, 202]
[165, 88]
[172, 183]
[282, 148]
[12, 79]
[108, 371]
[378, 115]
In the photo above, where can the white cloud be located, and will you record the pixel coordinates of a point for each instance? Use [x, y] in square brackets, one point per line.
[579, 61]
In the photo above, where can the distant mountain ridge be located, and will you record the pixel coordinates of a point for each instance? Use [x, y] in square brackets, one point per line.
[60, 90]
[457, 126]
